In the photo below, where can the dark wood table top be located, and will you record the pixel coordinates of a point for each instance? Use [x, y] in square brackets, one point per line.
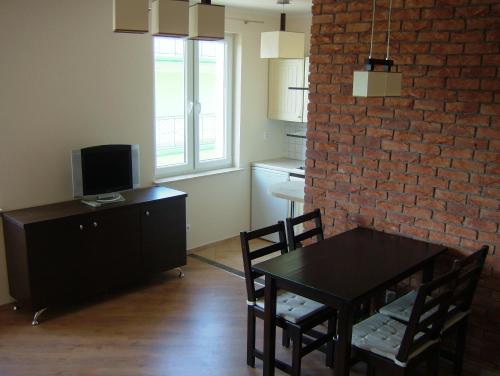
[350, 266]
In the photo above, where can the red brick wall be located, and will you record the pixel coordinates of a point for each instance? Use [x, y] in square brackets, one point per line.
[426, 164]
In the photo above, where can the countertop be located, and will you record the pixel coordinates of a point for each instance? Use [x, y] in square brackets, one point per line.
[282, 164]
[289, 190]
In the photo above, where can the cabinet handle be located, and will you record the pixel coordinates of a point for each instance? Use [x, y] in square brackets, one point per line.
[81, 227]
[96, 224]
[147, 213]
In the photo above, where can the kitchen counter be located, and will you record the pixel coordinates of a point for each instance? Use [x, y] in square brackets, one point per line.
[282, 164]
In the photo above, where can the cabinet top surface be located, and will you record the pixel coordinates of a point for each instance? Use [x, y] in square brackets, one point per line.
[76, 207]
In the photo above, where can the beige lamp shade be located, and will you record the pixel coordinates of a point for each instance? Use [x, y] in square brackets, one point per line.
[376, 84]
[131, 16]
[206, 22]
[170, 18]
[282, 45]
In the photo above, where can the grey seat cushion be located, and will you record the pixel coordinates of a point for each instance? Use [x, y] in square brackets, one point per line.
[293, 307]
[382, 335]
[401, 308]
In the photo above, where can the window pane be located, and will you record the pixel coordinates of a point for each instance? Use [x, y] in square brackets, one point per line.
[211, 97]
[171, 147]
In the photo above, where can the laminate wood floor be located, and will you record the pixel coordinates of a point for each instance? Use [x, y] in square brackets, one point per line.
[182, 327]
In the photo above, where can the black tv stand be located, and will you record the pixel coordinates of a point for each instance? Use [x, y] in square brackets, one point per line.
[68, 252]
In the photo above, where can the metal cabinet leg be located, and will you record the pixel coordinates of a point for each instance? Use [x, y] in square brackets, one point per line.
[37, 316]
[181, 273]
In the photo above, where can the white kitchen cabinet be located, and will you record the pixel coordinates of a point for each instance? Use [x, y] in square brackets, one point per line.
[266, 209]
[283, 103]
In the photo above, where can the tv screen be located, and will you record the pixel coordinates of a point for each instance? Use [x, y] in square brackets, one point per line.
[104, 169]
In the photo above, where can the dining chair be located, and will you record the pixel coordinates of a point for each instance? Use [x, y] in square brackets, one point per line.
[295, 240]
[470, 269]
[390, 347]
[296, 315]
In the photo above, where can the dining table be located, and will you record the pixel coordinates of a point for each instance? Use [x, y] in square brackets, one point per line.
[342, 272]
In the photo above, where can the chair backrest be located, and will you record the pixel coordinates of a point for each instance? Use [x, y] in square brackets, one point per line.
[470, 269]
[249, 256]
[428, 313]
[295, 240]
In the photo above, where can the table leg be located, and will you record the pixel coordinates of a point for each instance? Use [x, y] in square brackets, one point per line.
[428, 272]
[342, 364]
[269, 326]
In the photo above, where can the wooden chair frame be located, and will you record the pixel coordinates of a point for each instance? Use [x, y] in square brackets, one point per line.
[436, 293]
[294, 240]
[301, 332]
[470, 269]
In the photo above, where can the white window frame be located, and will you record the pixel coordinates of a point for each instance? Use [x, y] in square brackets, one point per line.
[191, 111]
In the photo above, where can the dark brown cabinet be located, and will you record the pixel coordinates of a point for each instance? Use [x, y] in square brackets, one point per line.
[68, 251]
[155, 217]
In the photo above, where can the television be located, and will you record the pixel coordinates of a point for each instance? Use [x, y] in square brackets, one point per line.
[101, 172]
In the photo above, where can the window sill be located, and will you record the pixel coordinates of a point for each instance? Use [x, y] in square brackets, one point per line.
[172, 179]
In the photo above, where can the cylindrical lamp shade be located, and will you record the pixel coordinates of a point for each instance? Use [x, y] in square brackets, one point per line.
[206, 22]
[170, 18]
[282, 45]
[376, 84]
[131, 16]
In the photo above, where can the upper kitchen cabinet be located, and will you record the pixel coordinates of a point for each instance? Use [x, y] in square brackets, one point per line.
[285, 103]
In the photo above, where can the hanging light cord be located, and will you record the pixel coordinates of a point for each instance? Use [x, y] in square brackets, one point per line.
[388, 31]
[373, 27]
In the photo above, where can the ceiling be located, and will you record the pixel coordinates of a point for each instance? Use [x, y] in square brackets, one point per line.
[295, 6]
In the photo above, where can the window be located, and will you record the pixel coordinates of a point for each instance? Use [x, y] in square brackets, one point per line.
[193, 114]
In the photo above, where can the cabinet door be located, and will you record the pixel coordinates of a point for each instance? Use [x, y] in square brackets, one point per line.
[56, 251]
[114, 255]
[163, 235]
[305, 92]
[283, 103]
[267, 210]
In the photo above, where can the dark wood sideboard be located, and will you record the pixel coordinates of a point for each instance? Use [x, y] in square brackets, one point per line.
[66, 252]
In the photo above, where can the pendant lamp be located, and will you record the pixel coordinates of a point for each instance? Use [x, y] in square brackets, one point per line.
[370, 83]
[206, 21]
[131, 16]
[282, 44]
[170, 18]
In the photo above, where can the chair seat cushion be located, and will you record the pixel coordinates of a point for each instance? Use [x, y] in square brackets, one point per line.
[401, 308]
[292, 307]
[382, 335]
